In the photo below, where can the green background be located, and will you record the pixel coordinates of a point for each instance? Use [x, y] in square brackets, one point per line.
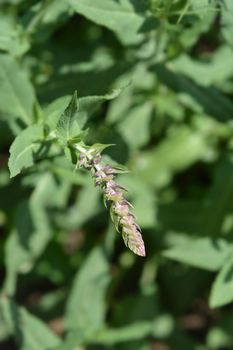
[155, 78]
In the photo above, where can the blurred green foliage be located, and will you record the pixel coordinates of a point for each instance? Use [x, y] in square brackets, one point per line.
[155, 78]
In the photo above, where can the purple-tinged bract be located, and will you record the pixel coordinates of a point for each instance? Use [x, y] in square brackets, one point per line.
[113, 193]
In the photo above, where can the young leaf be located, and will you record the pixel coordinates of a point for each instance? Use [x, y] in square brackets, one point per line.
[222, 290]
[86, 106]
[25, 148]
[76, 114]
[54, 110]
[30, 332]
[205, 253]
[17, 95]
[67, 126]
[86, 304]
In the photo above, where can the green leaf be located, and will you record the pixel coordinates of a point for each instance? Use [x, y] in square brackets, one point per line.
[119, 107]
[67, 126]
[99, 147]
[4, 331]
[182, 147]
[217, 69]
[205, 253]
[86, 107]
[17, 96]
[54, 110]
[76, 114]
[218, 211]
[73, 340]
[190, 35]
[134, 331]
[130, 332]
[25, 149]
[222, 290]
[135, 127]
[80, 213]
[199, 98]
[89, 104]
[213, 215]
[46, 16]
[29, 332]
[227, 21]
[86, 305]
[12, 37]
[68, 174]
[127, 18]
[218, 338]
[32, 228]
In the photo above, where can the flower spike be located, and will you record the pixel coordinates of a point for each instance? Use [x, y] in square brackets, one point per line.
[113, 194]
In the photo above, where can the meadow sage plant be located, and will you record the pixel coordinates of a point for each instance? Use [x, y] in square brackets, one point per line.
[71, 136]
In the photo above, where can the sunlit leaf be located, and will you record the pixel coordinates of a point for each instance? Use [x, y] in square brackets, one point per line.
[86, 306]
[222, 290]
[127, 18]
[25, 149]
[205, 253]
[29, 332]
[17, 94]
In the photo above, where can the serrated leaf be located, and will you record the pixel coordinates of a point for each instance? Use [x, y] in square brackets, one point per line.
[24, 150]
[76, 114]
[86, 304]
[67, 126]
[30, 332]
[127, 18]
[17, 95]
[205, 253]
[54, 110]
[87, 106]
[222, 289]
